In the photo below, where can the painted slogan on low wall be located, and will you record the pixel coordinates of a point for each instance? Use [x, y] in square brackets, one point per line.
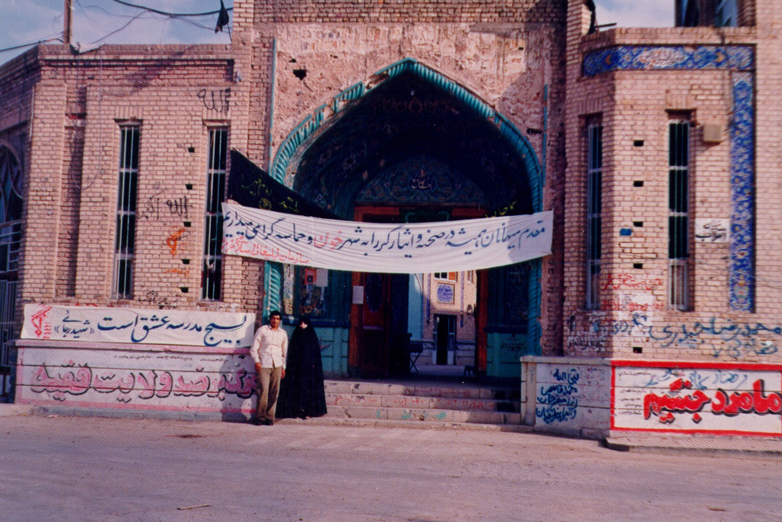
[700, 398]
[137, 326]
[126, 379]
[571, 395]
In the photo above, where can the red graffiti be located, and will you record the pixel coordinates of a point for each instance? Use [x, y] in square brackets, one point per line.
[38, 319]
[746, 402]
[630, 282]
[239, 246]
[67, 381]
[664, 406]
[174, 239]
[72, 380]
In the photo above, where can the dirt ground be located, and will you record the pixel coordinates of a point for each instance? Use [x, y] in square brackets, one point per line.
[96, 469]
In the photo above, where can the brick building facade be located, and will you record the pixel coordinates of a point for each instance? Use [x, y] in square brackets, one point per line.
[653, 148]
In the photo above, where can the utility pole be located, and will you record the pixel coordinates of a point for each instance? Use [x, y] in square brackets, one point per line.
[66, 33]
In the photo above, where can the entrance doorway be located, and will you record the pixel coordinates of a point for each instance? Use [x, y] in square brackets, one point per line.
[445, 339]
[412, 147]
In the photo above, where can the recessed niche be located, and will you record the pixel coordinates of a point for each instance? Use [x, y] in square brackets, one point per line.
[638, 266]
[638, 143]
[638, 183]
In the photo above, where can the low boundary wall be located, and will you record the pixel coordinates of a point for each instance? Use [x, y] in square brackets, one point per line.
[591, 397]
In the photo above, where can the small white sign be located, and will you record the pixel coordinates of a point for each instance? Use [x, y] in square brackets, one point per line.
[712, 230]
[322, 277]
[358, 295]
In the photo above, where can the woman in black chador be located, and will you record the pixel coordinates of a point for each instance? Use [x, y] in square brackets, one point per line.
[301, 391]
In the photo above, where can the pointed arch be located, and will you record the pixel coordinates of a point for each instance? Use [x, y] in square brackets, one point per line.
[309, 142]
[306, 132]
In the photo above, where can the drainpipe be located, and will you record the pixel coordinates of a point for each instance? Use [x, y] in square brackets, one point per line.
[271, 103]
[545, 128]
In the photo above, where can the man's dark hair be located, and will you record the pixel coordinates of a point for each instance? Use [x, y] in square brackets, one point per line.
[275, 312]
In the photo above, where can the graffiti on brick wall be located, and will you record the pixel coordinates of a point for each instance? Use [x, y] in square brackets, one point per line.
[175, 239]
[720, 337]
[629, 292]
[215, 99]
[157, 206]
[558, 402]
[622, 281]
[154, 298]
[717, 337]
[184, 272]
[632, 302]
[703, 399]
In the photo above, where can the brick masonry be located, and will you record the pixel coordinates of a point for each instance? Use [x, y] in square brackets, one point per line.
[59, 113]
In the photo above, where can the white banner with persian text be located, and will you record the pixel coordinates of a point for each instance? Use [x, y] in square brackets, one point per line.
[406, 248]
[132, 325]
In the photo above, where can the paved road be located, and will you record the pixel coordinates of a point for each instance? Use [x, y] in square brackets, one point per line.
[91, 469]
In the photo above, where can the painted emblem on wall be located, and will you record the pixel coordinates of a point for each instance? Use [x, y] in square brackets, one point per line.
[445, 293]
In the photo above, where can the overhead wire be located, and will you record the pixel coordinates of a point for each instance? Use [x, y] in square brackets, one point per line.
[184, 17]
[166, 13]
[22, 46]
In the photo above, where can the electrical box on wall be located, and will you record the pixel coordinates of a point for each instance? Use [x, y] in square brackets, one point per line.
[712, 133]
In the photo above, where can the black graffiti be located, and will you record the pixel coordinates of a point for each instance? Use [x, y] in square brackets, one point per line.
[216, 100]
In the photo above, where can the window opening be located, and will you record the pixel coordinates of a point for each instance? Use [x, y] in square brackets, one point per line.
[127, 196]
[678, 213]
[11, 202]
[594, 213]
[211, 275]
[448, 276]
[727, 14]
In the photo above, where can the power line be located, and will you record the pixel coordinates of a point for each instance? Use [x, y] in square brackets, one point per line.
[30, 44]
[165, 13]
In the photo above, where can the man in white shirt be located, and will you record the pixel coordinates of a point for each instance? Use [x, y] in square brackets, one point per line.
[269, 351]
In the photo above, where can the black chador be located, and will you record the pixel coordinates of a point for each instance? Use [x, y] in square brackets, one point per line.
[302, 393]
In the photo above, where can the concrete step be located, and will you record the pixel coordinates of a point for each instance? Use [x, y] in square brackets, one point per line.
[423, 402]
[427, 389]
[424, 415]
[418, 401]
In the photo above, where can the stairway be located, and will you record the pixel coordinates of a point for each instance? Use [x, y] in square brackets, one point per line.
[427, 403]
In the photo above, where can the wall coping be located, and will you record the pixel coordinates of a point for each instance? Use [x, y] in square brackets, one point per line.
[596, 361]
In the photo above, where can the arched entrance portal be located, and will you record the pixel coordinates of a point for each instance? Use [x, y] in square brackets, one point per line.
[412, 146]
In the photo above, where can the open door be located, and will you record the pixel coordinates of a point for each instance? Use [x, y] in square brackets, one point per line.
[481, 319]
[378, 314]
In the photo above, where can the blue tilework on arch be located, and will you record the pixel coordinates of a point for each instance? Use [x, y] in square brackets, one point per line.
[741, 61]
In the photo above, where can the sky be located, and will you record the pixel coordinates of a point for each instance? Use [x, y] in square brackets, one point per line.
[106, 21]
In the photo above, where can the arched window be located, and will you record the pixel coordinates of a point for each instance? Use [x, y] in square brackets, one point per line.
[11, 200]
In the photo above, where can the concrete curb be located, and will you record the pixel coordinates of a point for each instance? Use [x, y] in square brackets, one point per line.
[754, 446]
[11, 410]
[689, 444]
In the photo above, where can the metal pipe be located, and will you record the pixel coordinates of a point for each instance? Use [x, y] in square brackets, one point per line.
[67, 29]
